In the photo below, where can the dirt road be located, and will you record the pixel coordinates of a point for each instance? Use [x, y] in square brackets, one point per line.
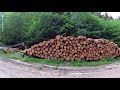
[10, 68]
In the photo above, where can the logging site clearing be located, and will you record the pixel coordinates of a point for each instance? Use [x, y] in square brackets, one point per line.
[59, 44]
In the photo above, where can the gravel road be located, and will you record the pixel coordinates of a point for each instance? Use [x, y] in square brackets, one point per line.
[10, 68]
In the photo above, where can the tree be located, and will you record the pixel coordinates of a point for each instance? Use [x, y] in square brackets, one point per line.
[98, 14]
[111, 18]
[118, 18]
[105, 16]
[34, 27]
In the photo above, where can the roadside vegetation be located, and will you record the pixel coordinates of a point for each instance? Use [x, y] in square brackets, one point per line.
[17, 56]
[34, 27]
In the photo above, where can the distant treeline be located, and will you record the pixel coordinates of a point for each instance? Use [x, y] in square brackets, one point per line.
[34, 27]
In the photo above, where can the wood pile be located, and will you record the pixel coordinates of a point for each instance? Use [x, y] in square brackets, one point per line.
[74, 48]
[21, 46]
[8, 50]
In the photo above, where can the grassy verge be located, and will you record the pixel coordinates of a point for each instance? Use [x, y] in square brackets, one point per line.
[60, 63]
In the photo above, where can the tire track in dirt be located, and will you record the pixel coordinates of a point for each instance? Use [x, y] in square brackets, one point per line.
[10, 68]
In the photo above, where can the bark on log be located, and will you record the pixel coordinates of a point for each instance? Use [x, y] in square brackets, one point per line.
[71, 48]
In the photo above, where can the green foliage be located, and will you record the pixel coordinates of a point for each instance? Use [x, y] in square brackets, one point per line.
[58, 62]
[34, 27]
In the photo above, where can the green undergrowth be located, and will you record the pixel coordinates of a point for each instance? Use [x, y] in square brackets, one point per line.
[55, 62]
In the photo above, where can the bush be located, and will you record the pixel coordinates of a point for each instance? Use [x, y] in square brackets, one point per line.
[34, 27]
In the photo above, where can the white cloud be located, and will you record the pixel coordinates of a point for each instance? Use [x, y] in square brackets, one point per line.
[113, 14]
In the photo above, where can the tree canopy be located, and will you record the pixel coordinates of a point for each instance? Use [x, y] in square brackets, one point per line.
[34, 27]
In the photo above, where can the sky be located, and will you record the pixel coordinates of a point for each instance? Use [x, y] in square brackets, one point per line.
[113, 14]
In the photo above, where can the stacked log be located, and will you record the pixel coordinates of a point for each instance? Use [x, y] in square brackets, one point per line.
[8, 50]
[21, 46]
[13, 48]
[74, 48]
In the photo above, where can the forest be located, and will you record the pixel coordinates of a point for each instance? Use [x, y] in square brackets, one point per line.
[35, 27]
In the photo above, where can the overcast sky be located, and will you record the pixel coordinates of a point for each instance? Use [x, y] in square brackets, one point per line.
[113, 14]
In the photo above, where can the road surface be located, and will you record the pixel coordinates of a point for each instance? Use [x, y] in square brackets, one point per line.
[8, 69]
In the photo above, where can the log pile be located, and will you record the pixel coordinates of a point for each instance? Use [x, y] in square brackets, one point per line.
[19, 46]
[74, 48]
[8, 50]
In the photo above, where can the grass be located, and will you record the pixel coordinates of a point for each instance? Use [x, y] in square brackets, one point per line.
[58, 62]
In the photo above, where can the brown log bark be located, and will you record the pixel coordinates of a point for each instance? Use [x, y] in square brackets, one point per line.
[58, 37]
[70, 48]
